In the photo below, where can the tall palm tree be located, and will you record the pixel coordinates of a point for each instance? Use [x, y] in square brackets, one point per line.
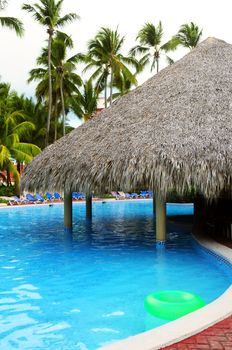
[151, 46]
[104, 54]
[48, 14]
[189, 35]
[13, 24]
[65, 80]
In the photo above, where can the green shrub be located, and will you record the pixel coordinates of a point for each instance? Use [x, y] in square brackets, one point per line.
[104, 196]
[3, 201]
[7, 191]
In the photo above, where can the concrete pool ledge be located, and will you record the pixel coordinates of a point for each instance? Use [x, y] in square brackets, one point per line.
[189, 325]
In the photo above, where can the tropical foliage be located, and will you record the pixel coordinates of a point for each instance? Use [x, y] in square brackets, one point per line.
[64, 86]
[48, 14]
[151, 47]
[188, 35]
[14, 128]
[65, 81]
[105, 57]
[12, 23]
[85, 103]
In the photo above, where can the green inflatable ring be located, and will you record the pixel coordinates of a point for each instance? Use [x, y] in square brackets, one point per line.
[172, 304]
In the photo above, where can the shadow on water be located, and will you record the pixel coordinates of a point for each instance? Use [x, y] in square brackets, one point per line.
[130, 233]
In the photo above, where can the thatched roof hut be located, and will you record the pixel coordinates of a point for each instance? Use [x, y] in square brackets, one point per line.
[174, 131]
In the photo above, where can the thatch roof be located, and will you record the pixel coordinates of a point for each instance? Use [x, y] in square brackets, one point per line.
[174, 131]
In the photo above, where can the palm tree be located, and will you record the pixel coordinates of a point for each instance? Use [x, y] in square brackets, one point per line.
[13, 24]
[151, 46]
[84, 105]
[36, 113]
[13, 127]
[65, 80]
[189, 35]
[104, 54]
[48, 14]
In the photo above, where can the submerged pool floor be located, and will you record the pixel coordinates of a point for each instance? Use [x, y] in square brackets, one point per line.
[60, 292]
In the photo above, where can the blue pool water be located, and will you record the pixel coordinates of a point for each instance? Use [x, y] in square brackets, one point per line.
[65, 293]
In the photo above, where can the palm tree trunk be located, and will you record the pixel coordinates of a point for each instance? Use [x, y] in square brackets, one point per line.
[62, 104]
[157, 65]
[19, 167]
[106, 92]
[111, 86]
[8, 179]
[17, 187]
[50, 32]
[56, 117]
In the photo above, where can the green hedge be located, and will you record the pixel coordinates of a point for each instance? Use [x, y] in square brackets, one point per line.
[3, 201]
[7, 191]
[104, 196]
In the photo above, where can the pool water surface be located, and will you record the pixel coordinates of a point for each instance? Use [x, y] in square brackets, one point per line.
[80, 292]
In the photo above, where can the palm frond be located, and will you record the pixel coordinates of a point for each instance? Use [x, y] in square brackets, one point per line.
[24, 129]
[12, 23]
[138, 50]
[4, 155]
[28, 148]
[170, 60]
[171, 45]
[37, 15]
[69, 18]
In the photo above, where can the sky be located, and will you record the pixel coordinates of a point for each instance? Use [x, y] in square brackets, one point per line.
[18, 55]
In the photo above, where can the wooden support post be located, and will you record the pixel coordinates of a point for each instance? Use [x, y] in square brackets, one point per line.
[160, 221]
[68, 211]
[154, 209]
[88, 206]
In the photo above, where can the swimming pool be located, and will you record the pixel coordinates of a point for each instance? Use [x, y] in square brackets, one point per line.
[85, 291]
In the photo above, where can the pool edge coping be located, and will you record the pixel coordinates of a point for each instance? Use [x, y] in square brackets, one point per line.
[191, 324]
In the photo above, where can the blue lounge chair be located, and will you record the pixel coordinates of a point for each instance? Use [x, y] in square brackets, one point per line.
[30, 198]
[144, 194]
[57, 196]
[49, 196]
[78, 195]
[39, 197]
[75, 195]
[134, 195]
[128, 195]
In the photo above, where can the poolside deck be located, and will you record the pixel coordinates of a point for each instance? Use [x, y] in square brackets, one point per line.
[217, 337]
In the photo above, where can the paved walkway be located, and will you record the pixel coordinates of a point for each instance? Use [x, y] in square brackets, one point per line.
[217, 337]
